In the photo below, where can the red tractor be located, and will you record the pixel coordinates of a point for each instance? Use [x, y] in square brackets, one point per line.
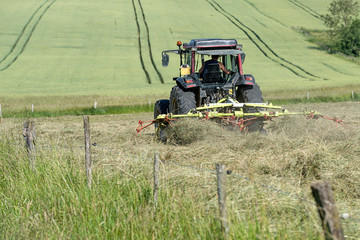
[194, 89]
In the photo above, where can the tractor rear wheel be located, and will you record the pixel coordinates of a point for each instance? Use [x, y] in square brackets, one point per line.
[181, 101]
[161, 107]
[251, 94]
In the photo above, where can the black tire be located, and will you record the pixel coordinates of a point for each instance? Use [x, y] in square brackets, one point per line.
[161, 107]
[251, 94]
[181, 101]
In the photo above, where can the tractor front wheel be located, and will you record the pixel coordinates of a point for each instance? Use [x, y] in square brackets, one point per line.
[161, 107]
[251, 94]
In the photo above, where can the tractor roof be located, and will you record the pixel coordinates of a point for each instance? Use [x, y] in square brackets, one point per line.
[211, 43]
[220, 52]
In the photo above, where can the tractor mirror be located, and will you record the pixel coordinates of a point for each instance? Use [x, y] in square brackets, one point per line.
[242, 58]
[165, 59]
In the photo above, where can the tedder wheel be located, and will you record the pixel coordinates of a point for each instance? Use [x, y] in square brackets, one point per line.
[181, 101]
[251, 94]
[161, 107]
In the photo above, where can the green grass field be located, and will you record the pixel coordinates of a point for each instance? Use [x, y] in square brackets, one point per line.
[63, 55]
[74, 49]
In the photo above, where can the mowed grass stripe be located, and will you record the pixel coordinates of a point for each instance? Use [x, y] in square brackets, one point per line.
[337, 70]
[149, 44]
[22, 33]
[86, 54]
[283, 61]
[148, 79]
[306, 8]
[254, 42]
[25, 35]
[264, 14]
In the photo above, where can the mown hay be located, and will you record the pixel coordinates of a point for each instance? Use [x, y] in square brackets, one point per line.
[188, 131]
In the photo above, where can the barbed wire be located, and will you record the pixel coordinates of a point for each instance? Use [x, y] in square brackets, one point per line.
[60, 147]
[272, 188]
[345, 217]
[11, 142]
[276, 190]
[231, 173]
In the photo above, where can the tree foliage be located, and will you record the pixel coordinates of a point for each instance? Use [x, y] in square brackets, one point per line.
[344, 26]
[341, 14]
[349, 43]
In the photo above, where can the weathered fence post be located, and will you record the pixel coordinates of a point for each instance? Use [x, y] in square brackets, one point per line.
[95, 105]
[352, 95]
[221, 189]
[328, 212]
[308, 96]
[30, 138]
[87, 150]
[156, 178]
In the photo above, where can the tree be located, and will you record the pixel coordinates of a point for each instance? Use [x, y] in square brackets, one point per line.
[341, 14]
[349, 43]
[344, 26]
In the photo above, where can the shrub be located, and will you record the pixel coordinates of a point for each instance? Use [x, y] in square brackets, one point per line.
[344, 26]
[349, 43]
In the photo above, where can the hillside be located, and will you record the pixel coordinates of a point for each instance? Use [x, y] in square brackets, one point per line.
[62, 58]
[76, 48]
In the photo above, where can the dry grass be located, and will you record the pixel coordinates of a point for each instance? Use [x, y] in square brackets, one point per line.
[294, 153]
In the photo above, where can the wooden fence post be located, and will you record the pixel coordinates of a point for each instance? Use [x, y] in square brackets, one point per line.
[221, 189]
[87, 150]
[328, 212]
[30, 138]
[156, 178]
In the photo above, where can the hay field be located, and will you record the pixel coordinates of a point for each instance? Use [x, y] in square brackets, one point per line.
[61, 54]
[56, 48]
[269, 175]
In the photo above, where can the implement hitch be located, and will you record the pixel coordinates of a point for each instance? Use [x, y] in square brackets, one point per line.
[230, 112]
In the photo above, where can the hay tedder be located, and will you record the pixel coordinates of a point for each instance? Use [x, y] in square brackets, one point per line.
[214, 89]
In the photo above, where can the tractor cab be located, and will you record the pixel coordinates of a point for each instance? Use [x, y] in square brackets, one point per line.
[194, 54]
[198, 51]
[200, 75]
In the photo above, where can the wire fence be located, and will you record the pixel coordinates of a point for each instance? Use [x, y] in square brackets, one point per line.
[278, 191]
[350, 216]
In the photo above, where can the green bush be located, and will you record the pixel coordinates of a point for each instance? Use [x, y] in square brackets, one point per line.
[344, 26]
[349, 43]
